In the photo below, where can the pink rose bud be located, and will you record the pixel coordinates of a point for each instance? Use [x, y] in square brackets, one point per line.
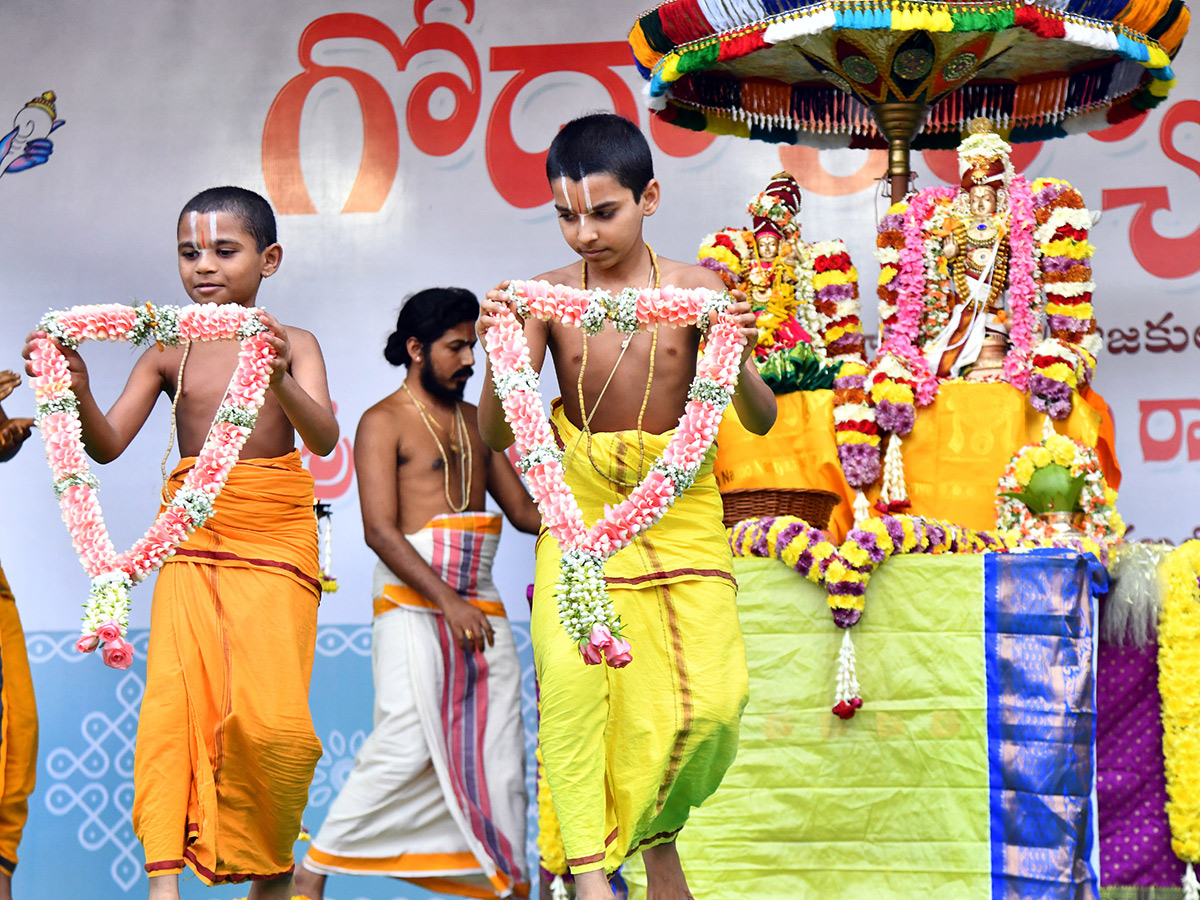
[108, 632]
[118, 654]
[618, 653]
[591, 655]
[600, 637]
[843, 710]
[87, 643]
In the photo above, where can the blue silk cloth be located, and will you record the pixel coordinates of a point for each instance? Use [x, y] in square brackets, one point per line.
[1039, 615]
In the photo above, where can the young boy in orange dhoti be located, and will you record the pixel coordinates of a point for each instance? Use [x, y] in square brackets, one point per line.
[18, 725]
[629, 752]
[226, 748]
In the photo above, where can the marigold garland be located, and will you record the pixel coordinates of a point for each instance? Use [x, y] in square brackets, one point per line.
[106, 612]
[1179, 685]
[1065, 360]
[585, 608]
[845, 571]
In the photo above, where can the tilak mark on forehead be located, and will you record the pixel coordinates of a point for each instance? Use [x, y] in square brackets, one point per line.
[198, 238]
[587, 196]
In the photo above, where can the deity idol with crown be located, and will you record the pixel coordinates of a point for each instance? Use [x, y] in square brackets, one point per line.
[990, 281]
[986, 281]
[805, 295]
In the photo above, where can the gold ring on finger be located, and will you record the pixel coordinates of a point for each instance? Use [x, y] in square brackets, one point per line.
[467, 633]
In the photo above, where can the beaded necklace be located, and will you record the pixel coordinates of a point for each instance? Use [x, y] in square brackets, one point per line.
[466, 460]
[584, 415]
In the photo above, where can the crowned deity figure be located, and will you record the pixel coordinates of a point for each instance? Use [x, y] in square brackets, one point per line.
[805, 295]
[976, 251]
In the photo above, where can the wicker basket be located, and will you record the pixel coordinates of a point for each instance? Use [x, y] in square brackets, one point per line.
[812, 506]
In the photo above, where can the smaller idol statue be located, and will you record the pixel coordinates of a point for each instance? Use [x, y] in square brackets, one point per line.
[805, 295]
[975, 339]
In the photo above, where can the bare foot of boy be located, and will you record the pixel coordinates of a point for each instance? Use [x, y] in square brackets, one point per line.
[592, 886]
[309, 885]
[275, 889]
[664, 874]
[164, 887]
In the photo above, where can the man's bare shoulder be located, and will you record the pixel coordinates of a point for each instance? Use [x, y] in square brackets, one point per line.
[568, 274]
[687, 275]
[389, 414]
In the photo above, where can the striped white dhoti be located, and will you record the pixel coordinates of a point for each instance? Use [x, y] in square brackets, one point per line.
[437, 795]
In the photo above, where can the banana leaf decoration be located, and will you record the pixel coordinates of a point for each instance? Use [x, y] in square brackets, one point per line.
[796, 369]
[1051, 489]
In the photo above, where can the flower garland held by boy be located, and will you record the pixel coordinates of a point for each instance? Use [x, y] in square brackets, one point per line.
[585, 608]
[1179, 685]
[106, 613]
[1102, 525]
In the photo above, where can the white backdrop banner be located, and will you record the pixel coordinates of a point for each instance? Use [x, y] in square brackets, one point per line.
[401, 145]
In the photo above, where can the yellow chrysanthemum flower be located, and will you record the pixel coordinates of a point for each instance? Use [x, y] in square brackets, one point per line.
[1040, 457]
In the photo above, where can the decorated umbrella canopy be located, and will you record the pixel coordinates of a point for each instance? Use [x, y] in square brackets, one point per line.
[905, 73]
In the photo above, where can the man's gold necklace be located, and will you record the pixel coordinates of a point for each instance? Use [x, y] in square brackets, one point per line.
[653, 281]
[466, 457]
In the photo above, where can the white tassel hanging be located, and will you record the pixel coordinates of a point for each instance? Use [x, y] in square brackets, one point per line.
[1047, 427]
[893, 489]
[862, 509]
[558, 889]
[847, 700]
[1191, 887]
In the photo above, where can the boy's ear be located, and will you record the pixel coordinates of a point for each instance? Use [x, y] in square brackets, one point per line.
[650, 197]
[271, 259]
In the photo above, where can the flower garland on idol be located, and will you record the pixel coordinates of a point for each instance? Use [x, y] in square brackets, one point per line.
[113, 575]
[585, 608]
[1065, 360]
[1179, 685]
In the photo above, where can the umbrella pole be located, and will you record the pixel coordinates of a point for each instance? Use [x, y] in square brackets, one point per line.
[899, 120]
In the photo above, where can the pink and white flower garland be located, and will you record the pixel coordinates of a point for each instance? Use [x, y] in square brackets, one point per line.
[106, 612]
[585, 608]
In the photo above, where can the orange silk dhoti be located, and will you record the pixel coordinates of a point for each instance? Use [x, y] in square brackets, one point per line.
[225, 746]
[18, 730]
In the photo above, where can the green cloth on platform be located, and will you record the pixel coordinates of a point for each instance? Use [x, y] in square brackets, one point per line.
[890, 804]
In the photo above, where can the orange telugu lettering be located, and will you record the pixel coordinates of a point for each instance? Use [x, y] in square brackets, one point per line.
[1162, 449]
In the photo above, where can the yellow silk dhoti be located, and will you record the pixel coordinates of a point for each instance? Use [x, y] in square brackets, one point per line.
[18, 730]
[629, 752]
[225, 747]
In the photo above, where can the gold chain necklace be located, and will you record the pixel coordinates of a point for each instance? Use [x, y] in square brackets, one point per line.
[466, 458]
[584, 415]
[999, 268]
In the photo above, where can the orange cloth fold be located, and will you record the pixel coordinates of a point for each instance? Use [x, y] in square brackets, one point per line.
[225, 747]
[800, 451]
[18, 730]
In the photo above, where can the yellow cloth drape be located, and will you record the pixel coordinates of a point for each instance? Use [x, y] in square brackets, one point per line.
[629, 752]
[953, 459]
[226, 748]
[18, 730]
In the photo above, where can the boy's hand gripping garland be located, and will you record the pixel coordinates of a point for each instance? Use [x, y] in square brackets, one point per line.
[583, 602]
[106, 612]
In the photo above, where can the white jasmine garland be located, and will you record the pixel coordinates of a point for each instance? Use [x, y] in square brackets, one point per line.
[539, 455]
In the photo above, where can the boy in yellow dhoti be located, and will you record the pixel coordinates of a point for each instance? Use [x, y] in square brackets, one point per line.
[226, 748]
[628, 753]
[18, 721]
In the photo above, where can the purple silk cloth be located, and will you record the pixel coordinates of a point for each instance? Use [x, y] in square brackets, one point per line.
[1135, 838]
